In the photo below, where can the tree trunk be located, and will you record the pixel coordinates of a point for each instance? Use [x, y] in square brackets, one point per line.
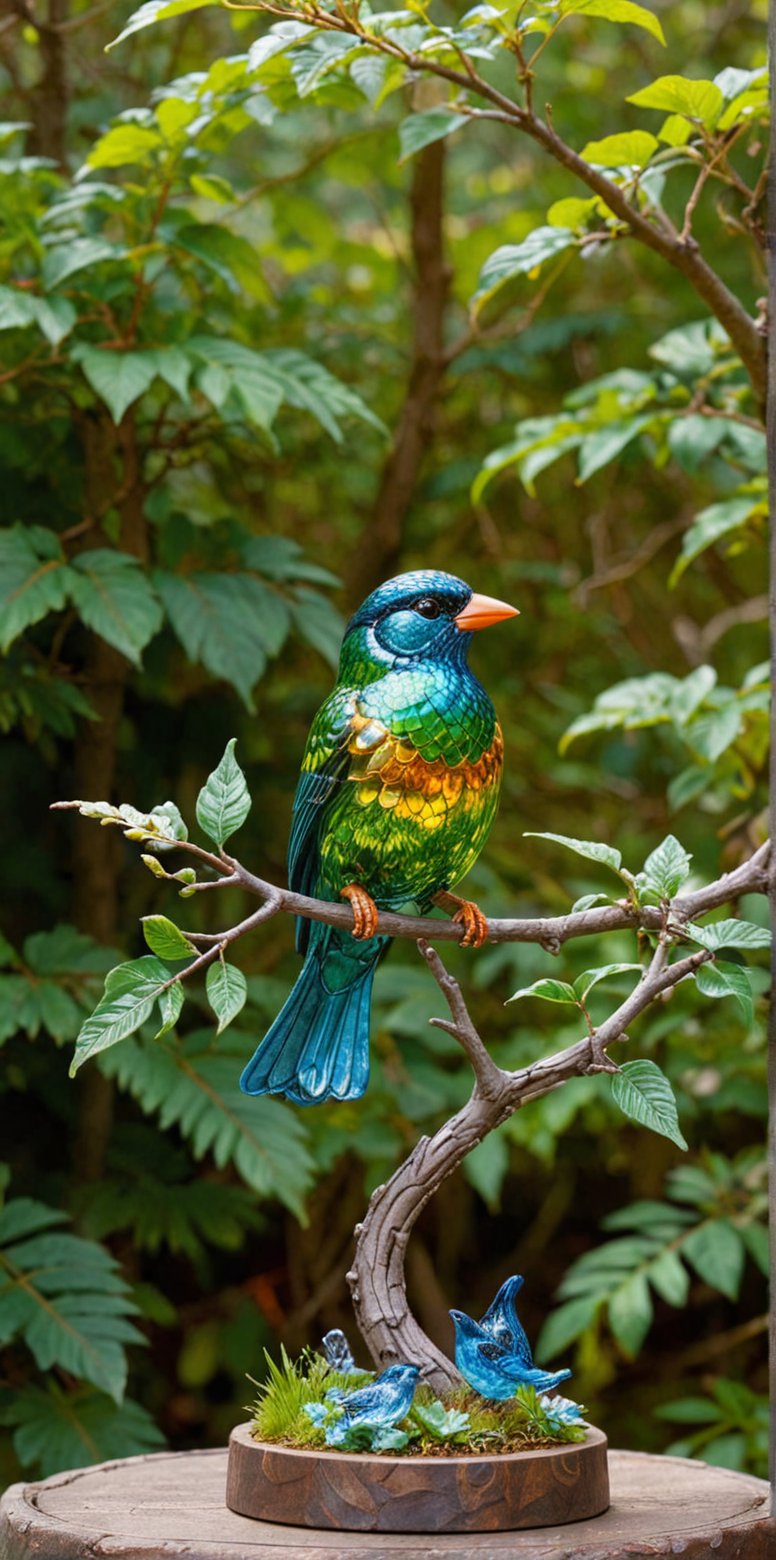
[380, 553]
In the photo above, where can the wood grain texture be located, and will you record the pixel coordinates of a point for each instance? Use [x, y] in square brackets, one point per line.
[370, 1494]
[171, 1505]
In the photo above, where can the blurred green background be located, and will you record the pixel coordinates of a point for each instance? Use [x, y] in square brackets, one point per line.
[241, 384]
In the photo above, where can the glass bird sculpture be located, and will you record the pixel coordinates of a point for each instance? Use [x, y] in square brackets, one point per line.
[494, 1355]
[384, 1403]
[338, 1353]
[399, 787]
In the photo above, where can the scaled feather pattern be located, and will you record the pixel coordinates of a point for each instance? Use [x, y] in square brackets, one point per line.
[398, 791]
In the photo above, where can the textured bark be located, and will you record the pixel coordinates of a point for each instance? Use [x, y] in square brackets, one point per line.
[379, 556]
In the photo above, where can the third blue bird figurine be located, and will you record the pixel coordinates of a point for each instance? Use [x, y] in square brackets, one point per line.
[380, 1406]
[494, 1355]
[399, 787]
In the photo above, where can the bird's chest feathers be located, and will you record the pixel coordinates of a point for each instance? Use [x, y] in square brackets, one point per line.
[424, 744]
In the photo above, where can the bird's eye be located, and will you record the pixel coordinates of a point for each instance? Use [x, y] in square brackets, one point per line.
[428, 607]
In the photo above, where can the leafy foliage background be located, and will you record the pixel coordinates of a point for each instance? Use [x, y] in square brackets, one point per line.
[241, 384]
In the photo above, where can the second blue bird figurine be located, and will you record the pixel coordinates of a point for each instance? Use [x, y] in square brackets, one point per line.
[494, 1355]
[384, 1403]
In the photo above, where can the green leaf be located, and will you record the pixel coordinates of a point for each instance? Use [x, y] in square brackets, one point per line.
[666, 868]
[566, 1323]
[64, 260]
[716, 1251]
[730, 933]
[634, 147]
[54, 317]
[34, 579]
[119, 378]
[54, 1430]
[227, 990]
[585, 982]
[318, 622]
[669, 1278]
[631, 1312]
[156, 11]
[599, 448]
[170, 1005]
[174, 366]
[197, 1089]
[124, 143]
[590, 849]
[165, 938]
[700, 100]
[486, 1166]
[224, 802]
[710, 525]
[727, 980]
[115, 600]
[615, 11]
[551, 990]
[644, 1094]
[421, 130]
[755, 1238]
[573, 211]
[230, 623]
[211, 186]
[128, 1000]
[513, 260]
[234, 258]
[63, 1297]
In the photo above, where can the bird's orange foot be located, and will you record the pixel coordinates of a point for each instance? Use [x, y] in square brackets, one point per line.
[469, 915]
[364, 910]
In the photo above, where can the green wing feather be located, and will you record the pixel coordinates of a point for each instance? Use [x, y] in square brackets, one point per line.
[324, 768]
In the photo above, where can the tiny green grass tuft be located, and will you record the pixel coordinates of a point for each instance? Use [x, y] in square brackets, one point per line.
[458, 1423]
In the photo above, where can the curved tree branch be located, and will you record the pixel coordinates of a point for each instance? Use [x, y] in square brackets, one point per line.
[376, 1279]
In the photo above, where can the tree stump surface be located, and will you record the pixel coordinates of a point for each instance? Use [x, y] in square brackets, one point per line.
[172, 1504]
[478, 1493]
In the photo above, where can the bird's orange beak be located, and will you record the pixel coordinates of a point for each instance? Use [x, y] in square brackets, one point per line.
[481, 611]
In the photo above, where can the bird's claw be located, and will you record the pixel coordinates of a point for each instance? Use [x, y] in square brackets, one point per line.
[467, 914]
[475, 924]
[364, 910]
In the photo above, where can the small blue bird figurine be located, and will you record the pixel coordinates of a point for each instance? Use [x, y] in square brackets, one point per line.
[338, 1352]
[399, 788]
[494, 1355]
[384, 1403]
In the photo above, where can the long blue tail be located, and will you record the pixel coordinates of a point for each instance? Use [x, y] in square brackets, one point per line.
[318, 1047]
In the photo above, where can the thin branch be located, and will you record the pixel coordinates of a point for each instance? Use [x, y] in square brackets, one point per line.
[490, 1078]
[550, 932]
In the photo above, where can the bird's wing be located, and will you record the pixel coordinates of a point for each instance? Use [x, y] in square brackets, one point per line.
[502, 1322]
[325, 767]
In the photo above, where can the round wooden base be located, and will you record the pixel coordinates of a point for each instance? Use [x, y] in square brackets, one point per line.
[361, 1493]
[171, 1505]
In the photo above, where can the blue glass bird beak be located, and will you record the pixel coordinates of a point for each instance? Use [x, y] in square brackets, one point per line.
[481, 611]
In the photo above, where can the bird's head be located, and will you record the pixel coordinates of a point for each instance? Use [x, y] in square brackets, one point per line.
[465, 1326]
[401, 1375]
[424, 615]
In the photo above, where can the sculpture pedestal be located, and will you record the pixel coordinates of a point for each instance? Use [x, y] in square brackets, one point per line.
[172, 1505]
[479, 1493]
